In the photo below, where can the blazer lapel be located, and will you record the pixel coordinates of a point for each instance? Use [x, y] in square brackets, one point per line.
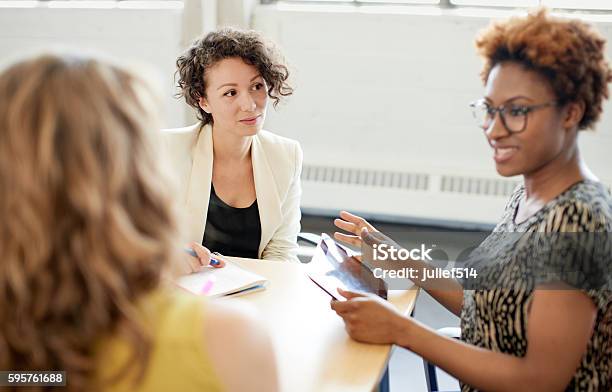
[198, 193]
[268, 200]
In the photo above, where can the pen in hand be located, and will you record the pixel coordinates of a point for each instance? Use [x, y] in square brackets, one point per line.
[191, 252]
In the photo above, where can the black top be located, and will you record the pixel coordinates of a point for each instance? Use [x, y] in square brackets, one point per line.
[232, 231]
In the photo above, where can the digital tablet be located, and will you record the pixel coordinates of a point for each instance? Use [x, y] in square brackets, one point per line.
[333, 266]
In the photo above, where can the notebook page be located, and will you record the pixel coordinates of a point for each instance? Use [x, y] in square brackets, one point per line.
[229, 279]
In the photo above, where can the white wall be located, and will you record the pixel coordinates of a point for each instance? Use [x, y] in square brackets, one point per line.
[378, 92]
[153, 37]
[390, 92]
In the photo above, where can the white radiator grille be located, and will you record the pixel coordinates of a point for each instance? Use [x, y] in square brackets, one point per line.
[408, 180]
[355, 176]
[477, 186]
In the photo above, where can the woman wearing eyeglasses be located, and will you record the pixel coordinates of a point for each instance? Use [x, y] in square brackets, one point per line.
[545, 81]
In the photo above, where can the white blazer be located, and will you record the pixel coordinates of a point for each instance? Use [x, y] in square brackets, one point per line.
[277, 165]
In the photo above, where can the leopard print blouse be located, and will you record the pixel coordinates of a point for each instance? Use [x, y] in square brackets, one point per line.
[496, 318]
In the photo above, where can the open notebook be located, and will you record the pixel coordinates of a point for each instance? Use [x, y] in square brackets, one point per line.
[229, 280]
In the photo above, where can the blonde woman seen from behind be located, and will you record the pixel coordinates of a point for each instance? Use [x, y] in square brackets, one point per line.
[89, 236]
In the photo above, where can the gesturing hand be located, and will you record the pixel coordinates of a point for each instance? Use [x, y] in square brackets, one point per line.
[353, 224]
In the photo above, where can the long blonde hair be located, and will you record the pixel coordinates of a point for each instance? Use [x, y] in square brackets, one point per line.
[87, 224]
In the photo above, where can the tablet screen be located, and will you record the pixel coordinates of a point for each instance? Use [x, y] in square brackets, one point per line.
[332, 266]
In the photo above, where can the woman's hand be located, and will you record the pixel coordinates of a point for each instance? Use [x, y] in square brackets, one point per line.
[353, 224]
[369, 318]
[203, 260]
[362, 233]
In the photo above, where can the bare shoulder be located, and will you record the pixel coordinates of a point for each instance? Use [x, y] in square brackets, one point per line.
[230, 314]
[240, 347]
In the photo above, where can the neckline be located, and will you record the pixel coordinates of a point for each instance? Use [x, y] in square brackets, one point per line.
[546, 206]
[224, 204]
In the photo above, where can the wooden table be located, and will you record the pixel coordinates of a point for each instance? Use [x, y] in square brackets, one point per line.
[313, 351]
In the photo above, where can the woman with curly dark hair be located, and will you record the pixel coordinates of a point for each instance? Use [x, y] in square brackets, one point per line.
[239, 183]
[538, 317]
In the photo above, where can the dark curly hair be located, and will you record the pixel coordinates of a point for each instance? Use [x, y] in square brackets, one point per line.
[568, 52]
[248, 45]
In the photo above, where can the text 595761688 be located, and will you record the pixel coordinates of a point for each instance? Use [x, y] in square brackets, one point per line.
[32, 378]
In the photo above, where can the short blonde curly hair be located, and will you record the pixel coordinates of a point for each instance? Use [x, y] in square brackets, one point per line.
[568, 52]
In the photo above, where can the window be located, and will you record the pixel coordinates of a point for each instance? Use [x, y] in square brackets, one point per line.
[581, 4]
[498, 3]
[566, 4]
[595, 5]
[360, 1]
[127, 4]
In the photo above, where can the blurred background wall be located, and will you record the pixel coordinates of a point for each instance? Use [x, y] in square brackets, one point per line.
[382, 90]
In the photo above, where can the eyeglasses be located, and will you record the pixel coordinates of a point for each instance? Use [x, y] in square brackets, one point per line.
[513, 117]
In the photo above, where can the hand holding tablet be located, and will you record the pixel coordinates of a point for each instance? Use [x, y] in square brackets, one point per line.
[332, 267]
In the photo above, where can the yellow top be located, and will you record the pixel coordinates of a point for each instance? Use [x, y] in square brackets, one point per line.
[178, 360]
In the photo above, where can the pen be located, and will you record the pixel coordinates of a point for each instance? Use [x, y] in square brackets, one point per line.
[192, 253]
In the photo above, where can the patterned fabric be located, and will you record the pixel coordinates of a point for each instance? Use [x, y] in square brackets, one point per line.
[496, 318]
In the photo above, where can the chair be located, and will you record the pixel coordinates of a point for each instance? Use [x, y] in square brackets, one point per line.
[311, 240]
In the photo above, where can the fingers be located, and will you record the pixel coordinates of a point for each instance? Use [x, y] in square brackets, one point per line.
[353, 302]
[220, 261]
[364, 233]
[349, 294]
[353, 224]
[207, 258]
[347, 226]
[342, 307]
[370, 238]
[202, 252]
[349, 239]
[193, 265]
[351, 217]
[204, 258]
[356, 220]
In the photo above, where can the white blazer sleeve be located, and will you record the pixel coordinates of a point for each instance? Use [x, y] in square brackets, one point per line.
[283, 245]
